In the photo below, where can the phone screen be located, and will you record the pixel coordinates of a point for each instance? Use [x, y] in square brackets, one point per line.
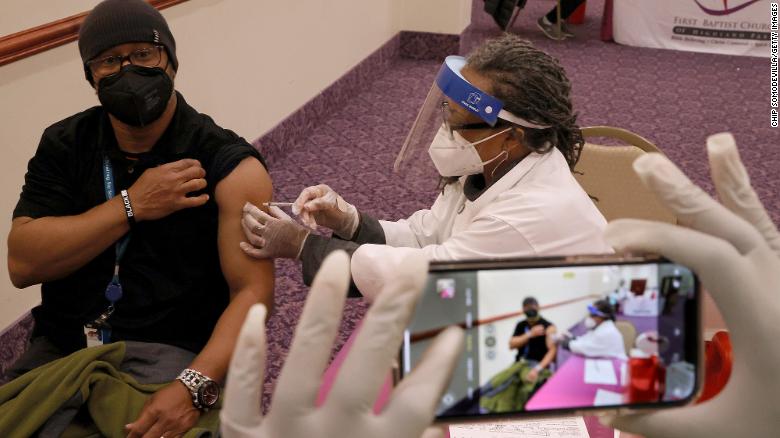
[562, 338]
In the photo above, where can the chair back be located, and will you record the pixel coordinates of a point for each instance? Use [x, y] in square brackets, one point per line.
[628, 331]
[607, 175]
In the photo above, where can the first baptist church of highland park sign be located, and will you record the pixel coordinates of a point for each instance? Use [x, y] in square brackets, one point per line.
[733, 27]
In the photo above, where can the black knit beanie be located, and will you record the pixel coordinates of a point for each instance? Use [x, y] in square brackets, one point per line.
[115, 22]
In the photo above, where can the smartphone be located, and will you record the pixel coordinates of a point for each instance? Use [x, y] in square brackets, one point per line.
[530, 349]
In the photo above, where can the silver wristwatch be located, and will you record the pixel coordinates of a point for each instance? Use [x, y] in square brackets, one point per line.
[204, 391]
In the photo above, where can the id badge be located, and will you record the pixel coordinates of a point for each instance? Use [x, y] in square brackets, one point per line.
[97, 336]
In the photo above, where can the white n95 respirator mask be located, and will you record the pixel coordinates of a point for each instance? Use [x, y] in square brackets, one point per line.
[456, 156]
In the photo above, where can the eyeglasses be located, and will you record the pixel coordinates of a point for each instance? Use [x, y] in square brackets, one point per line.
[446, 115]
[109, 65]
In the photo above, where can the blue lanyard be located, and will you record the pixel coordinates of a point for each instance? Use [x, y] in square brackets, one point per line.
[114, 289]
[527, 344]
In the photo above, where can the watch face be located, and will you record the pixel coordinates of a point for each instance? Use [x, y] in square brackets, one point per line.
[208, 394]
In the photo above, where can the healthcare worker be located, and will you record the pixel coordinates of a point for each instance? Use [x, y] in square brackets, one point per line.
[500, 128]
[602, 339]
[734, 248]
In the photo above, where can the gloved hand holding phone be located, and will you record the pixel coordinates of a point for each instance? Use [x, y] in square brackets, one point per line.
[347, 411]
[735, 249]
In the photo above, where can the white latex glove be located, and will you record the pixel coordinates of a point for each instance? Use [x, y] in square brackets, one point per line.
[733, 247]
[374, 265]
[320, 205]
[348, 410]
[271, 235]
[561, 337]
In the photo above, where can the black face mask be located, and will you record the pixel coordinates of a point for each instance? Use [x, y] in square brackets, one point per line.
[531, 313]
[136, 95]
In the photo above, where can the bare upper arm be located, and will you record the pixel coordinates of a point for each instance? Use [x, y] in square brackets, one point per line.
[18, 222]
[15, 224]
[21, 220]
[551, 330]
[248, 182]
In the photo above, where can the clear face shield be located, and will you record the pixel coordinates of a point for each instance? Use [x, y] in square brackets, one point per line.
[453, 105]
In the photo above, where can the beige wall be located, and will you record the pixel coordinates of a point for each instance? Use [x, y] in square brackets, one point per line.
[440, 16]
[18, 15]
[247, 63]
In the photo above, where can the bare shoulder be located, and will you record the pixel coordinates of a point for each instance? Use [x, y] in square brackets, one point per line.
[248, 182]
[21, 220]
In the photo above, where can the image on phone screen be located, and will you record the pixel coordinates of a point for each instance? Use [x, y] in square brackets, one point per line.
[562, 338]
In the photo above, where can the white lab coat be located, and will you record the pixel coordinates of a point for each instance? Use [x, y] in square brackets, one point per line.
[536, 209]
[603, 341]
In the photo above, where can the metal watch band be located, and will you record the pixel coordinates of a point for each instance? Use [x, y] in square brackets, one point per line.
[193, 380]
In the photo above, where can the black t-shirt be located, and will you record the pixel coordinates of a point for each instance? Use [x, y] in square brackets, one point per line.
[536, 348]
[174, 290]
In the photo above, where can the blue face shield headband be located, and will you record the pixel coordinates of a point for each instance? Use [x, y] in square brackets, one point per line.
[459, 90]
[596, 312]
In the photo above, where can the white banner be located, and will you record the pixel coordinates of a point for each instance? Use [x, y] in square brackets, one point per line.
[732, 27]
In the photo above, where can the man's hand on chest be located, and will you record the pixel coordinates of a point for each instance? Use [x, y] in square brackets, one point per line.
[163, 190]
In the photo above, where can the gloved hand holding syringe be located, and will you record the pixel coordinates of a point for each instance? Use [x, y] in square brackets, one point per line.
[276, 234]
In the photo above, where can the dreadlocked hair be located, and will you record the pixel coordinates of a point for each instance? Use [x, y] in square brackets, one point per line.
[534, 86]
